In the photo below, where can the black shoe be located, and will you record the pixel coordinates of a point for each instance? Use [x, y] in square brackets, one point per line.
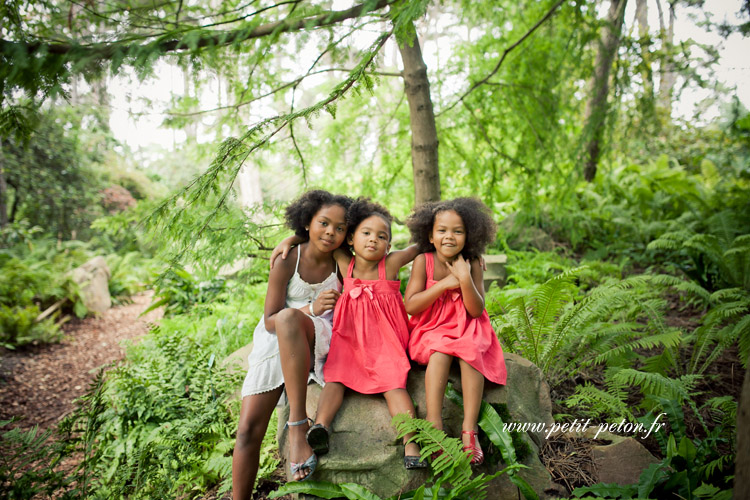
[414, 462]
[317, 438]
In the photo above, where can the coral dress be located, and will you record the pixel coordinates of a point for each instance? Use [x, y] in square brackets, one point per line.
[447, 327]
[370, 335]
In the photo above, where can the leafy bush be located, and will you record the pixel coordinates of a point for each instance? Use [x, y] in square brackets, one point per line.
[18, 327]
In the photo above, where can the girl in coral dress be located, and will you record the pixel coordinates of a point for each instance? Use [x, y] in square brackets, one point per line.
[370, 330]
[445, 297]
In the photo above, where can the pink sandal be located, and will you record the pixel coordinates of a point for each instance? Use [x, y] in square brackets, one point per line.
[476, 454]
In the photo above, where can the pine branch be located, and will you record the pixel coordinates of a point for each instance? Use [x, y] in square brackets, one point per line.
[108, 50]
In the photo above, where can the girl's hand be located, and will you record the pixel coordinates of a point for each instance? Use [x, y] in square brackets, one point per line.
[284, 247]
[325, 302]
[460, 268]
[450, 282]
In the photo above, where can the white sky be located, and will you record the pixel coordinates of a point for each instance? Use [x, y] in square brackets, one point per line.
[144, 130]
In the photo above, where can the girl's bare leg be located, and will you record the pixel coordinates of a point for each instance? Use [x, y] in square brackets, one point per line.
[472, 386]
[399, 401]
[255, 413]
[296, 335]
[330, 401]
[435, 380]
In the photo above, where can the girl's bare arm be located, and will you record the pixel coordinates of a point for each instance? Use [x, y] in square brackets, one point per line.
[398, 259]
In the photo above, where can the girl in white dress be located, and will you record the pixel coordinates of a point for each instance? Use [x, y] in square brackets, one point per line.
[291, 341]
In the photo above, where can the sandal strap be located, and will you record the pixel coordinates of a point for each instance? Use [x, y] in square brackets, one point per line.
[298, 422]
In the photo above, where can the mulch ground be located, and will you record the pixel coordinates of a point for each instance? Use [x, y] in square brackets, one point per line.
[38, 384]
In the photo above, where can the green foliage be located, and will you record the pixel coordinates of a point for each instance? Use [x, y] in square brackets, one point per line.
[159, 424]
[50, 181]
[36, 274]
[27, 463]
[18, 327]
[452, 466]
[691, 468]
[563, 333]
[178, 291]
[491, 424]
[164, 426]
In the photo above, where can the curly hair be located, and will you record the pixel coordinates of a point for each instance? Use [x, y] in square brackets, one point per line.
[477, 219]
[362, 208]
[300, 212]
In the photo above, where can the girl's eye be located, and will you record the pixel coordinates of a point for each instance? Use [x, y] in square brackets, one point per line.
[341, 229]
[382, 237]
[324, 223]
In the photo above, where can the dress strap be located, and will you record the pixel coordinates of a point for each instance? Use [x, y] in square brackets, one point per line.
[351, 268]
[299, 251]
[381, 269]
[429, 266]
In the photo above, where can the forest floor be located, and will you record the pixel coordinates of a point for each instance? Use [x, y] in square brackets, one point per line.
[39, 383]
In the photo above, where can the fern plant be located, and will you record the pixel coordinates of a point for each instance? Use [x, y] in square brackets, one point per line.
[563, 333]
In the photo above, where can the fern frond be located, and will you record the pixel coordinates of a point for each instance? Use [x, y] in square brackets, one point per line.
[652, 383]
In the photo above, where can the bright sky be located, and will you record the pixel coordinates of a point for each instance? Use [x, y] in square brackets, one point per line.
[139, 124]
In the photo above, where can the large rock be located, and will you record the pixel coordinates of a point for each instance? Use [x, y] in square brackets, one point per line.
[364, 448]
[93, 278]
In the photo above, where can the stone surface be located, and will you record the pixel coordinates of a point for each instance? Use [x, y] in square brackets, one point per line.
[621, 461]
[364, 448]
[93, 278]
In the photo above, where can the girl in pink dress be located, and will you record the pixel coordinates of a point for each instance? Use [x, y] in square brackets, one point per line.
[445, 297]
[370, 332]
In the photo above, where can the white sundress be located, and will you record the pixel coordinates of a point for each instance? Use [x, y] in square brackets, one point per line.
[264, 362]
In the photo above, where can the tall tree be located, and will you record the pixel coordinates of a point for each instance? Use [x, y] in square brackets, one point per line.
[424, 139]
[3, 190]
[667, 73]
[597, 106]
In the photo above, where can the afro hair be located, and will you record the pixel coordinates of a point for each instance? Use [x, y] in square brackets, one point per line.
[362, 208]
[480, 228]
[300, 212]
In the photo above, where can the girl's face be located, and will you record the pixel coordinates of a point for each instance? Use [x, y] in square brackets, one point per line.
[328, 228]
[371, 238]
[448, 234]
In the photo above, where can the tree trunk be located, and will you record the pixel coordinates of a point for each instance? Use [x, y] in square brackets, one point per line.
[667, 74]
[424, 140]
[3, 190]
[596, 107]
[644, 40]
[742, 459]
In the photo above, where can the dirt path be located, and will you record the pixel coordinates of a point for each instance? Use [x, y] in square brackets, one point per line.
[39, 383]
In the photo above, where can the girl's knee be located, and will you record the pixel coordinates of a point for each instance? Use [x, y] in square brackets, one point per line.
[289, 321]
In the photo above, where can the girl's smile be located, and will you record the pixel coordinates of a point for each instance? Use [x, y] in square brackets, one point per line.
[448, 234]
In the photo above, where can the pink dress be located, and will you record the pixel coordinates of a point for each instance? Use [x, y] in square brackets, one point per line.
[447, 327]
[370, 335]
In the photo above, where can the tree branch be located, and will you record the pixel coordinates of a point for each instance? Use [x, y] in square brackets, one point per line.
[108, 50]
[505, 53]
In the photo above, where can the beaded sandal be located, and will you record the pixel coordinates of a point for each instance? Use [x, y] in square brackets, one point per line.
[311, 463]
[476, 454]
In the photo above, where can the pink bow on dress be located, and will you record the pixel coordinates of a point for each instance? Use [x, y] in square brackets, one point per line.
[358, 289]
